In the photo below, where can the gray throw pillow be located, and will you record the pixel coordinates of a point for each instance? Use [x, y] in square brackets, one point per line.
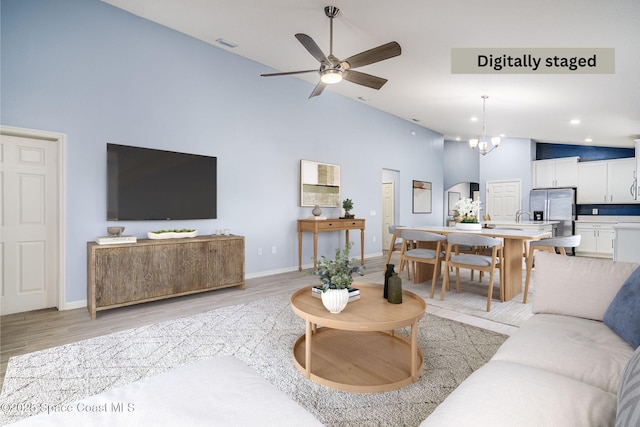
[628, 411]
[623, 314]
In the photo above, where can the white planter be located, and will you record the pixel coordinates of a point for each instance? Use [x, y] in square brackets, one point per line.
[335, 300]
[171, 235]
[468, 226]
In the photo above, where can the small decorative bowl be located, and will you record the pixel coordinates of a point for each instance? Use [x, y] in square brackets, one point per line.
[115, 231]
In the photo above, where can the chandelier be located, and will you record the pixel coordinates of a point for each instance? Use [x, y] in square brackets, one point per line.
[482, 144]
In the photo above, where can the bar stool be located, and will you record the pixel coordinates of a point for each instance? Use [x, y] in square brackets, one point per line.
[548, 244]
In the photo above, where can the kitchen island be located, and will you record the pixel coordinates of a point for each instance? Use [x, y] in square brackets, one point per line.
[545, 226]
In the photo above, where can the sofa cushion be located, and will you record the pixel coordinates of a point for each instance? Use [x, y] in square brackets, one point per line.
[222, 391]
[509, 394]
[623, 314]
[628, 411]
[577, 286]
[582, 349]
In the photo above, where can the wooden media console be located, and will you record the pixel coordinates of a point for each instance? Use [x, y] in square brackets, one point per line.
[148, 270]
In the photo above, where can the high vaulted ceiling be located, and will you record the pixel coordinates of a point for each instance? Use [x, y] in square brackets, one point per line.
[421, 87]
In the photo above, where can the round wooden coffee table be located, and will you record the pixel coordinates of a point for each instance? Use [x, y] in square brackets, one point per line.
[357, 349]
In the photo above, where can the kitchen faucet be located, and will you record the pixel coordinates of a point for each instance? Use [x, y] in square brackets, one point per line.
[519, 213]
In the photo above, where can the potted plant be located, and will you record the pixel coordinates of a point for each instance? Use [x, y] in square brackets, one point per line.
[347, 205]
[336, 278]
[468, 212]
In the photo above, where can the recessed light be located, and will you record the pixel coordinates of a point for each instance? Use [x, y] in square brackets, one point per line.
[227, 43]
[588, 140]
[416, 120]
[363, 99]
[502, 135]
[457, 138]
[474, 119]
[575, 121]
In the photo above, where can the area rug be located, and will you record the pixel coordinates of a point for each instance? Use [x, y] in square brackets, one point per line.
[260, 333]
[471, 300]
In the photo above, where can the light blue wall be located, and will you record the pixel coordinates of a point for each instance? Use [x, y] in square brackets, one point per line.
[461, 164]
[99, 75]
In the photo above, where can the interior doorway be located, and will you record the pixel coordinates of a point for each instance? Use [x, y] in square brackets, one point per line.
[31, 234]
[504, 199]
[390, 203]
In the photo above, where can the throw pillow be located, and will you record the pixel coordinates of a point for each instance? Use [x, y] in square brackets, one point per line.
[628, 411]
[623, 314]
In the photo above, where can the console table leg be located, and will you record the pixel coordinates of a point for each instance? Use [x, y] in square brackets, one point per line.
[299, 250]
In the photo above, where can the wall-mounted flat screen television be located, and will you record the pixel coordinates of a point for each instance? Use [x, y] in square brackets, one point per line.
[148, 184]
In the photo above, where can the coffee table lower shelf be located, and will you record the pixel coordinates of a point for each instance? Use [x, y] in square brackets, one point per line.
[360, 362]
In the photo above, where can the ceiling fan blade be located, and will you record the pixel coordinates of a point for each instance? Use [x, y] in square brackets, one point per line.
[312, 47]
[376, 54]
[287, 73]
[318, 89]
[363, 79]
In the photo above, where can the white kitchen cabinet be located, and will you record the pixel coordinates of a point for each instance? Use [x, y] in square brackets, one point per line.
[555, 173]
[606, 181]
[597, 239]
[620, 176]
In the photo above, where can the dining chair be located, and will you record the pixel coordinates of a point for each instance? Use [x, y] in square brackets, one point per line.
[479, 261]
[412, 253]
[394, 246]
[551, 244]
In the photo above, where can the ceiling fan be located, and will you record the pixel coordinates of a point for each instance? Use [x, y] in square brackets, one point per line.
[332, 70]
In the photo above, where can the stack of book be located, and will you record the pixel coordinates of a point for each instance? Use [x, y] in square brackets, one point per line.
[354, 293]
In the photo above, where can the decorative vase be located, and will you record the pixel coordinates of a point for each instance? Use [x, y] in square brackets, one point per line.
[469, 226]
[335, 300]
[387, 273]
[316, 211]
[395, 289]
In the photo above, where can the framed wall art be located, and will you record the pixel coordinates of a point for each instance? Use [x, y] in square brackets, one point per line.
[319, 184]
[421, 197]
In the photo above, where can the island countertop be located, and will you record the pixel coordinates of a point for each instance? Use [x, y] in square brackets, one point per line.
[524, 223]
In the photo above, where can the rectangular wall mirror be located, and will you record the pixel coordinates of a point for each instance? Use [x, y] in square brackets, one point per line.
[421, 197]
[319, 184]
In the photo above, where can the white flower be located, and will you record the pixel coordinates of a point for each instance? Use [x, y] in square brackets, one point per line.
[468, 210]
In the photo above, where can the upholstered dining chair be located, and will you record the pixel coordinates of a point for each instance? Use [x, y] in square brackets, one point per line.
[484, 263]
[412, 252]
[551, 244]
[395, 246]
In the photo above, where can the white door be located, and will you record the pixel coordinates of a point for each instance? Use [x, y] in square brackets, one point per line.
[28, 224]
[387, 212]
[503, 200]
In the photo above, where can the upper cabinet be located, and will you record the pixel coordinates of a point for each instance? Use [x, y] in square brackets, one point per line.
[555, 173]
[606, 181]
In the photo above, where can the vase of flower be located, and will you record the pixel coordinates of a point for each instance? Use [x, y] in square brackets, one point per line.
[468, 212]
[336, 275]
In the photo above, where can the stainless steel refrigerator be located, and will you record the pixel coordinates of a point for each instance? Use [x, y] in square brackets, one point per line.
[558, 204]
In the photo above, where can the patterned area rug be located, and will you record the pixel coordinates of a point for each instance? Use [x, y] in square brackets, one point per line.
[261, 334]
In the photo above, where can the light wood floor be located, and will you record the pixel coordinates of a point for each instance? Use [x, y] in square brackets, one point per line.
[37, 330]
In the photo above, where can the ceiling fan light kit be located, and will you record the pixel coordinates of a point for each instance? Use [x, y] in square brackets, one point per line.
[482, 144]
[333, 70]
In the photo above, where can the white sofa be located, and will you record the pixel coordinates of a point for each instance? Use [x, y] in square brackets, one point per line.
[563, 366]
[222, 391]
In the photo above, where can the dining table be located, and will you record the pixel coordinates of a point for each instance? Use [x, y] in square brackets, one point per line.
[514, 243]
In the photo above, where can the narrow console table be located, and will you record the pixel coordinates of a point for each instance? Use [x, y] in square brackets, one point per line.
[316, 226]
[148, 270]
